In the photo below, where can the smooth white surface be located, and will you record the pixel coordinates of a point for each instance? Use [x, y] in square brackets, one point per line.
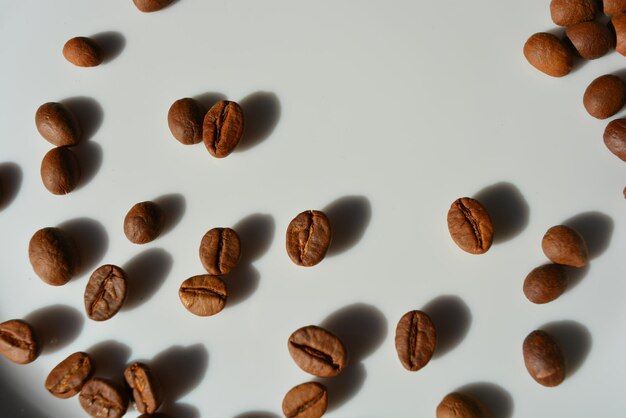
[393, 108]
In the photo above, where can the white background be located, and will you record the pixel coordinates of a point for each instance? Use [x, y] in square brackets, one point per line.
[380, 113]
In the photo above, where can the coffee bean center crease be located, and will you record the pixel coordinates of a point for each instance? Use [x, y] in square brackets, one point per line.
[313, 352]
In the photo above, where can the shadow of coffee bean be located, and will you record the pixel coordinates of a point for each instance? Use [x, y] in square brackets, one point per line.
[207, 100]
[112, 44]
[174, 206]
[177, 410]
[146, 273]
[349, 217]
[89, 155]
[111, 358]
[15, 404]
[575, 341]
[91, 241]
[507, 208]
[10, 183]
[180, 369]
[56, 326]
[257, 414]
[575, 275]
[596, 228]
[261, 112]
[345, 386]
[88, 112]
[498, 400]
[241, 283]
[452, 319]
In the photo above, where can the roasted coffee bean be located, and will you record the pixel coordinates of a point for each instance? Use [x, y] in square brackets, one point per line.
[545, 283]
[461, 405]
[57, 124]
[307, 400]
[102, 398]
[148, 6]
[53, 255]
[18, 341]
[220, 250]
[563, 245]
[144, 222]
[590, 39]
[69, 376]
[571, 12]
[203, 295]
[317, 351]
[615, 138]
[416, 339]
[613, 7]
[83, 52]
[544, 359]
[223, 128]
[308, 238]
[105, 292]
[470, 225]
[185, 119]
[605, 96]
[60, 171]
[618, 22]
[145, 387]
[548, 54]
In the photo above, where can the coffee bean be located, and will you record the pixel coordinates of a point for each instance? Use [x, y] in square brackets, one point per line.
[308, 238]
[317, 351]
[470, 225]
[60, 171]
[144, 222]
[69, 376]
[18, 342]
[223, 128]
[618, 22]
[203, 295]
[605, 96]
[105, 292]
[83, 52]
[53, 255]
[461, 405]
[563, 245]
[416, 339]
[544, 359]
[571, 12]
[220, 250]
[615, 138]
[548, 54]
[102, 398]
[613, 7]
[57, 124]
[590, 39]
[545, 283]
[148, 6]
[307, 400]
[185, 121]
[144, 385]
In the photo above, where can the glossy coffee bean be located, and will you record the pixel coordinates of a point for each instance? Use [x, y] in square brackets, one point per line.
[83, 52]
[613, 7]
[416, 340]
[105, 292]
[220, 250]
[149, 6]
[185, 119]
[571, 12]
[57, 124]
[145, 387]
[223, 128]
[548, 54]
[470, 226]
[545, 283]
[317, 351]
[563, 245]
[615, 138]
[307, 400]
[53, 255]
[543, 359]
[605, 96]
[591, 39]
[308, 238]
[69, 376]
[461, 405]
[102, 398]
[60, 171]
[144, 222]
[18, 342]
[203, 295]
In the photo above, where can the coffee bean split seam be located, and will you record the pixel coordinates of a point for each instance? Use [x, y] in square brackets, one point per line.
[15, 340]
[320, 355]
[196, 290]
[471, 220]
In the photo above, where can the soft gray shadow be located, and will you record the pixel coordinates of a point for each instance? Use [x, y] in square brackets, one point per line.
[112, 44]
[10, 183]
[349, 217]
[261, 114]
[257, 414]
[88, 112]
[507, 208]
[345, 386]
[256, 233]
[498, 400]
[89, 155]
[56, 326]
[111, 358]
[178, 410]
[91, 240]
[575, 341]
[207, 100]
[174, 206]
[596, 228]
[146, 273]
[452, 319]
[17, 405]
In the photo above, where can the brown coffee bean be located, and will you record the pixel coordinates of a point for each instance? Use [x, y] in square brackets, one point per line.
[563, 245]
[470, 225]
[185, 121]
[144, 222]
[307, 400]
[57, 124]
[548, 54]
[223, 128]
[60, 171]
[545, 283]
[105, 292]
[615, 138]
[605, 96]
[308, 238]
[613, 7]
[416, 339]
[590, 39]
[461, 405]
[571, 12]
[148, 6]
[53, 255]
[69, 376]
[102, 398]
[220, 250]
[544, 359]
[618, 22]
[18, 342]
[83, 52]
[318, 351]
[203, 295]
[145, 387]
